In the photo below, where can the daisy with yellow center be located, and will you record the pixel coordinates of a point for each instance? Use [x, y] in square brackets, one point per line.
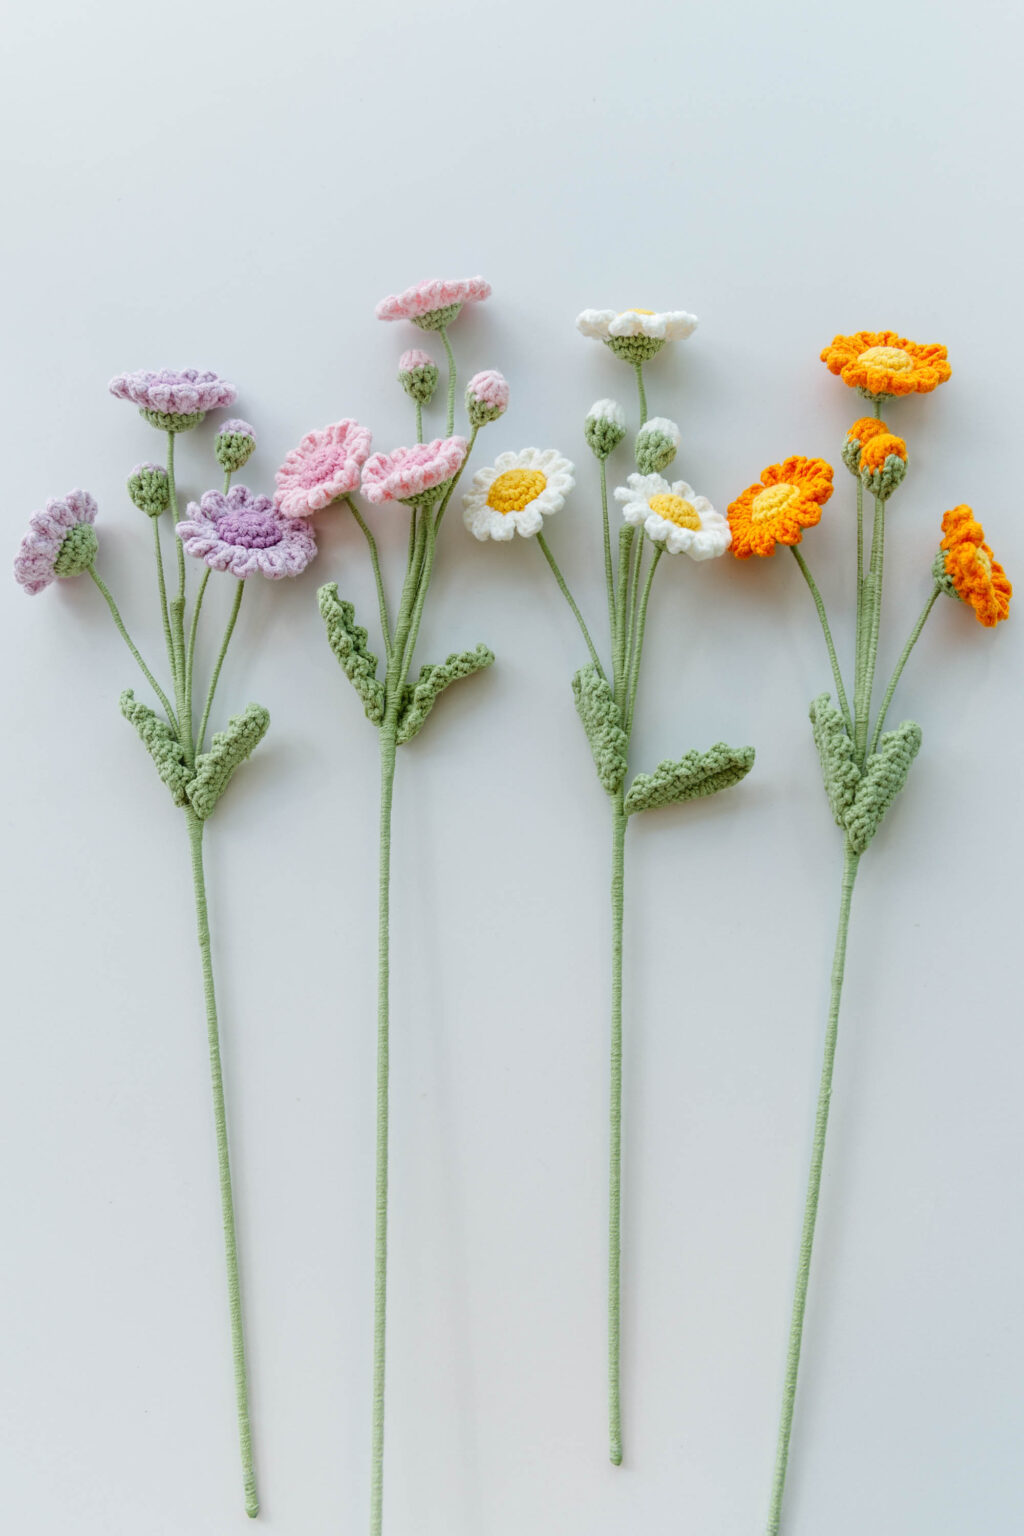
[516, 493]
[675, 516]
[972, 569]
[882, 364]
[788, 500]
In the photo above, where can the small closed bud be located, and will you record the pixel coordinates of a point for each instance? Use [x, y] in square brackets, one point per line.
[860, 434]
[486, 397]
[656, 445]
[150, 489]
[883, 464]
[235, 444]
[417, 374]
[604, 428]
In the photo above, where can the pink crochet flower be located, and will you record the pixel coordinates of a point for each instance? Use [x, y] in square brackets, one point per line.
[170, 392]
[244, 533]
[434, 304]
[322, 468]
[486, 396]
[60, 541]
[410, 474]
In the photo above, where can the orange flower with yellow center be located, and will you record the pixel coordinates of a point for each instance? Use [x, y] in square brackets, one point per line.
[788, 500]
[977, 577]
[881, 364]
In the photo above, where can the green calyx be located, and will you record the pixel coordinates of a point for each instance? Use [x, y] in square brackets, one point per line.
[420, 383]
[437, 318]
[77, 552]
[479, 412]
[150, 489]
[234, 450]
[655, 451]
[882, 482]
[603, 435]
[634, 349]
[428, 497]
[942, 577]
[172, 421]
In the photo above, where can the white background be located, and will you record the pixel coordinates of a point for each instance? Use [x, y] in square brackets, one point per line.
[198, 185]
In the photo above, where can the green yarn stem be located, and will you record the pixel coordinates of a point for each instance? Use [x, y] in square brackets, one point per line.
[609, 573]
[195, 837]
[873, 619]
[826, 631]
[859, 633]
[215, 676]
[451, 379]
[174, 518]
[627, 534]
[638, 640]
[633, 587]
[915, 634]
[619, 819]
[564, 589]
[190, 655]
[130, 643]
[419, 421]
[850, 863]
[638, 365]
[165, 614]
[382, 604]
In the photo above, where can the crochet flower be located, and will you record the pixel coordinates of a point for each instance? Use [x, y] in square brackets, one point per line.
[60, 542]
[971, 568]
[244, 533]
[235, 445]
[325, 466]
[605, 427]
[674, 515]
[516, 493]
[881, 364]
[860, 433]
[486, 397]
[788, 500]
[413, 475]
[173, 400]
[435, 304]
[417, 374]
[883, 464]
[636, 334]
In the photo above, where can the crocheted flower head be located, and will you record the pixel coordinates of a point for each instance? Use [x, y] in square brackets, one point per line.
[60, 542]
[605, 427]
[674, 515]
[860, 433]
[486, 397]
[882, 364]
[417, 374]
[788, 500]
[235, 445]
[516, 493]
[414, 475]
[883, 464]
[173, 400]
[434, 304]
[636, 334]
[244, 533]
[325, 466]
[971, 570]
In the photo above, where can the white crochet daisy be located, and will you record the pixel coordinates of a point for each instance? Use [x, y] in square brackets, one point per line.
[516, 493]
[675, 516]
[670, 325]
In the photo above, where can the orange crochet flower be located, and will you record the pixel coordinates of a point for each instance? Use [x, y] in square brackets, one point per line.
[881, 364]
[860, 433]
[788, 500]
[974, 571]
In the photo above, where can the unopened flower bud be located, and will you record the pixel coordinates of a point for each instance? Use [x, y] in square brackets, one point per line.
[883, 464]
[235, 444]
[486, 397]
[417, 374]
[604, 428]
[656, 445]
[150, 489]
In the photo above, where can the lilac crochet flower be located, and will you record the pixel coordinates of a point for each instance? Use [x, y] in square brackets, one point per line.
[173, 400]
[413, 474]
[244, 533]
[60, 541]
[325, 466]
[486, 397]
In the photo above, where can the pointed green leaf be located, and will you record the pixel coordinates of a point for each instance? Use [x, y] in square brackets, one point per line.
[885, 774]
[596, 707]
[160, 742]
[420, 697]
[347, 640]
[229, 747]
[693, 776]
[835, 752]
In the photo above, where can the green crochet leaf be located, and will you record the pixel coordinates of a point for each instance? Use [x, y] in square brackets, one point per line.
[835, 752]
[693, 776]
[347, 640]
[885, 774]
[596, 707]
[420, 697]
[161, 744]
[229, 747]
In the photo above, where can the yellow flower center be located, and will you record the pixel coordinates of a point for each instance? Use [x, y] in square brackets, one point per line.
[893, 359]
[515, 489]
[675, 510]
[984, 560]
[635, 312]
[771, 501]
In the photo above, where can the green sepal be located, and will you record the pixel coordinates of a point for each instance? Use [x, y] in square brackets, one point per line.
[420, 697]
[161, 743]
[347, 640]
[602, 721]
[885, 774]
[695, 775]
[228, 749]
[835, 753]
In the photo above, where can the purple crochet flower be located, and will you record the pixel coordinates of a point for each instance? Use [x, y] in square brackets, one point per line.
[60, 541]
[173, 400]
[243, 533]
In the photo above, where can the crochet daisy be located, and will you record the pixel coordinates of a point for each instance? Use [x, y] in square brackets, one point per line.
[413, 475]
[516, 493]
[435, 304]
[324, 467]
[788, 500]
[244, 533]
[60, 542]
[882, 364]
[636, 334]
[674, 515]
[972, 569]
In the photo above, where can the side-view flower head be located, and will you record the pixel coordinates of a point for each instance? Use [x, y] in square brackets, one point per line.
[409, 474]
[971, 569]
[674, 515]
[433, 305]
[245, 533]
[173, 399]
[516, 493]
[636, 334]
[60, 542]
[883, 364]
[326, 466]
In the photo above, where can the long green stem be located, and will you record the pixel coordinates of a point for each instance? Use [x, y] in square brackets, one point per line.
[632, 594]
[190, 654]
[195, 836]
[859, 640]
[564, 589]
[826, 631]
[638, 640]
[451, 380]
[382, 604]
[915, 635]
[174, 516]
[165, 614]
[215, 676]
[627, 533]
[796, 1329]
[873, 620]
[130, 643]
[641, 391]
[619, 819]
[609, 572]
[419, 421]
